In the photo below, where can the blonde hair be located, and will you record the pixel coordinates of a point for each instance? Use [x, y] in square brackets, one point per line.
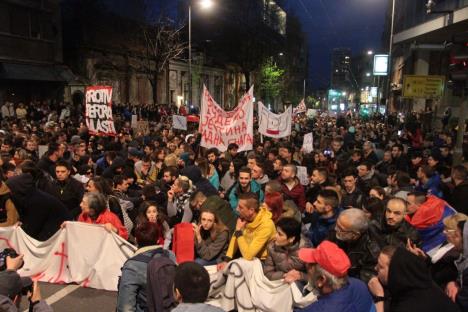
[171, 160]
[451, 222]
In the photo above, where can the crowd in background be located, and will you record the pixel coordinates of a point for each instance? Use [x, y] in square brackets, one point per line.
[381, 196]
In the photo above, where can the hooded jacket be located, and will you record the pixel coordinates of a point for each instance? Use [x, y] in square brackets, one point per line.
[411, 287]
[255, 237]
[41, 214]
[233, 194]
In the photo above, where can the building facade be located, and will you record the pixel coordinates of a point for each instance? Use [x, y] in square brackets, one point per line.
[31, 62]
[340, 69]
[423, 44]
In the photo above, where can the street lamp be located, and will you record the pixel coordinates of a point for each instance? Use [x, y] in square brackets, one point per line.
[205, 5]
[370, 52]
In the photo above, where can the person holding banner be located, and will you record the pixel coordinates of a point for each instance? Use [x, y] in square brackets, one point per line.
[94, 210]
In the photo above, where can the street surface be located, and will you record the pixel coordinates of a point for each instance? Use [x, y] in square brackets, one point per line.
[73, 298]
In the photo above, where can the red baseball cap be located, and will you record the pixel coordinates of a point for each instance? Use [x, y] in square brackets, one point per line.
[330, 257]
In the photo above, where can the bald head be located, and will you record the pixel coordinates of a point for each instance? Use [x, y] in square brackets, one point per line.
[395, 211]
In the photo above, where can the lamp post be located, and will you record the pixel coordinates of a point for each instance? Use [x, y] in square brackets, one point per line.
[390, 46]
[206, 5]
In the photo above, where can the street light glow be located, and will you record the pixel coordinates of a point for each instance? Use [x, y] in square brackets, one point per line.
[206, 4]
[370, 52]
[281, 54]
[368, 74]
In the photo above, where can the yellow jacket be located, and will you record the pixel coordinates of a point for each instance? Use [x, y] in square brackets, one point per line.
[255, 237]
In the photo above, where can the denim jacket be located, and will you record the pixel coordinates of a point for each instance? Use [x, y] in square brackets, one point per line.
[132, 284]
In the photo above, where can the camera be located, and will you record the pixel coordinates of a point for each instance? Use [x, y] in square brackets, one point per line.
[7, 252]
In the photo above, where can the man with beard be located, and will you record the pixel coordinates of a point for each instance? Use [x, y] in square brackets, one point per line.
[244, 184]
[323, 216]
[393, 229]
[292, 187]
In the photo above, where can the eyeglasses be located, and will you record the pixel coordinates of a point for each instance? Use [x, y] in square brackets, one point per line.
[448, 231]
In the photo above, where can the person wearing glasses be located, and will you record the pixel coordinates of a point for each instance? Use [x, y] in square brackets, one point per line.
[351, 234]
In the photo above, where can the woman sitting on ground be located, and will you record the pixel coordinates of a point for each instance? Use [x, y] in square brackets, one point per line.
[283, 260]
[94, 210]
[211, 238]
[149, 212]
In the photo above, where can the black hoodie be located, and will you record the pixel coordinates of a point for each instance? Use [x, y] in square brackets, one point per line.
[411, 287]
[41, 214]
[202, 184]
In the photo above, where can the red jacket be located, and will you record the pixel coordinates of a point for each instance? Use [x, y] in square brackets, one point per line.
[296, 194]
[106, 217]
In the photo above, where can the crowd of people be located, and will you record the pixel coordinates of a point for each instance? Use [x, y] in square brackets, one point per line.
[380, 224]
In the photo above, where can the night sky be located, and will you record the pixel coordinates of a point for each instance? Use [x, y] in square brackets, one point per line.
[355, 24]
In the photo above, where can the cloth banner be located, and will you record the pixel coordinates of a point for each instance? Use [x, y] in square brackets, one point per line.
[301, 108]
[80, 253]
[302, 175]
[143, 127]
[179, 122]
[308, 143]
[274, 125]
[243, 286]
[98, 112]
[220, 128]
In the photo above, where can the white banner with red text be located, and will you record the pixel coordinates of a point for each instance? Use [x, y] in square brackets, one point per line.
[274, 125]
[220, 128]
[81, 253]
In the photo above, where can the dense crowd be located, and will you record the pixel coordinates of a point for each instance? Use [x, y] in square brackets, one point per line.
[378, 223]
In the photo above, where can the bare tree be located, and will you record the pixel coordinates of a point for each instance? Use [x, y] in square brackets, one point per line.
[163, 41]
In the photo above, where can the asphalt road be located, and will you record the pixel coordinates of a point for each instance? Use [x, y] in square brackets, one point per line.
[73, 298]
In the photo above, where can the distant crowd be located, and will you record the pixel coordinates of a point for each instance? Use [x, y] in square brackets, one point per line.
[373, 219]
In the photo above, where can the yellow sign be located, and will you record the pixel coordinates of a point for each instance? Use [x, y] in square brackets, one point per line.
[423, 87]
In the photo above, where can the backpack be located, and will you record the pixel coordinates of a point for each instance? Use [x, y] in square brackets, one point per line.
[141, 299]
[160, 282]
[3, 211]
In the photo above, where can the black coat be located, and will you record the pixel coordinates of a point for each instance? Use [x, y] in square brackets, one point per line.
[385, 235]
[70, 193]
[41, 214]
[458, 198]
[411, 287]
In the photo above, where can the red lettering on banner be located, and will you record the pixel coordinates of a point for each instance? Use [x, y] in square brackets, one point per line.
[62, 256]
[38, 276]
[86, 282]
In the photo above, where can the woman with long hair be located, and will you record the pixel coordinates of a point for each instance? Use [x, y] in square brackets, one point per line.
[149, 212]
[208, 171]
[211, 238]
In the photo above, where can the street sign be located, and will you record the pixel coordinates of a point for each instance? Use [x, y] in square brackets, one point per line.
[423, 87]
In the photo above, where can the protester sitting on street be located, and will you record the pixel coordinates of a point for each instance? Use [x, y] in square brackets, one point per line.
[327, 268]
[457, 198]
[323, 216]
[191, 287]
[456, 230]
[211, 238]
[149, 212]
[146, 171]
[245, 184]
[208, 171]
[283, 261]
[274, 203]
[178, 201]
[429, 181]
[393, 229]
[94, 210]
[352, 235]
[199, 201]
[292, 187]
[426, 214]
[132, 284]
[373, 208]
[254, 229]
[409, 284]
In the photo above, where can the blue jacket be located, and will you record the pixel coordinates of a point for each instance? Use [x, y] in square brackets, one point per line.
[354, 297]
[432, 186]
[319, 227]
[233, 194]
[132, 283]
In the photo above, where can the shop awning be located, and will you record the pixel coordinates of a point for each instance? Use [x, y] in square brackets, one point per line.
[52, 73]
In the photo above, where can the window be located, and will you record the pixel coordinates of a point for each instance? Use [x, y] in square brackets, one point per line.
[19, 21]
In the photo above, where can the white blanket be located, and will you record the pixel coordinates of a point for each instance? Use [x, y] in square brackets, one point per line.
[81, 253]
[243, 286]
